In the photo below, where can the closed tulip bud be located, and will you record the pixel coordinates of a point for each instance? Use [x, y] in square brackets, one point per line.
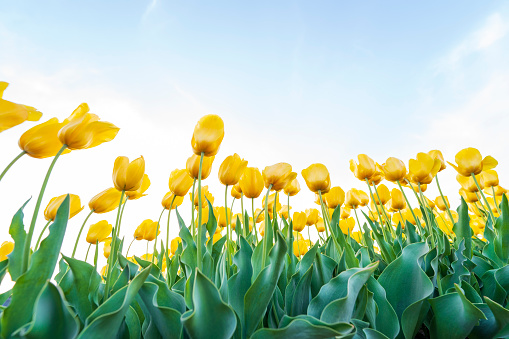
[145, 184]
[292, 188]
[365, 169]
[436, 154]
[335, 197]
[347, 225]
[193, 166]
[312, 216]
[128, 176]
[84, 130]
[423, 169]
[383, 192]
[397, 200]
[278, 175]
[468, 183]
[41, 141]
[12, 114]
[260, 216]
[320, 225]
[175, 244]
[208, 135]
[317, 178]
[300, 247]
[285, 210]
[394, 169]
[180, 182]
[397, 220]
[205, 195]
[441, 204]
[236, 191]
[219, 213]
[99, 232]
[345, 213]
[6, 249]
[106, 201]
[251, 182]
[74, 208]
[231, 169]
[106, 251]
[299, 221]
[489, 178]
[171, 201]
[430, 203]
[469, 160]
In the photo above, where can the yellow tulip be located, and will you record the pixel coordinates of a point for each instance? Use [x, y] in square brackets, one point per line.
[377, 177]
[106, 201]
[469, 160]
[169, 198]
[335, 197]
[397, 219]
[128, 176]
[6, 249]
[317, 178]
[499, 191]
[489, 178]
[397, 200]
[292, 188]
[84, 130]
[215, 238]
[175, 244]
[357, 236]
[430, 203]
[436, 154]
[220, 215]
[12, 114]
[236, 191]
[477, 224]
[364, 197]
[320, 225]
[383, 193]
[51, 210]
[444, 223]
[299, 221]
[193, 166]
[180, 182]
[285, 210]
[41, 141]
[365, 169]
[347, 225]
[251, 182]
[205, 194]
[441, 204]
[208, 135]
[145, 184]
[259, 215]
[353, 199]
[345, 212]
[468, 183]
[394, 169]
[300, 247]
[204, 216]
[312, 216]
[99, 232]
[468, 196]
[231, 169]
[278, 175]
[423, 169]
[146, 230]
[106, 251]
[270, 203]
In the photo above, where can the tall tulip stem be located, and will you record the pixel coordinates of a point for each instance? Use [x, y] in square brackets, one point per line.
[11, 163]
[228, 227]
[326, 220]
[485, 200]
[192, 210]
[290, 232]
[79, 233]
[254, 220]
[443, 199]
[242, 218]
[199, 255]
[113, 255]
[417, 221]
[266, 229]
[495, 199]
[168, 224]
[157, 231]
[88, 250]
[40, 235]
[28, 240]
[127, 253]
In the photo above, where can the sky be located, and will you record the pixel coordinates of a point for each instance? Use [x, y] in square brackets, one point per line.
[294, 81]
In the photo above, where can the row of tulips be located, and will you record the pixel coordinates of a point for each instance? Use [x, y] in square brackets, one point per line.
[379, 267]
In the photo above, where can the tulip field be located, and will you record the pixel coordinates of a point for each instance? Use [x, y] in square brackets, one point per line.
[388, 261]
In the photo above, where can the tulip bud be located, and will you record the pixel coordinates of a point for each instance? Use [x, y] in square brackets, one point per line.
[436, 154]
[300, 247]
[292, 188]
[106, 201]
[278, 175]
[317, 178]
[128, 176]
[74, 208]
[175, 244]
[383, 192]
[345, 213]
[468, 183]
[106, 250]
[220, 214]
[146, 230]
[299, 221]
[260, 216]
[193, 166]
[394, 169]
[231, 169]
[284, 212]
[251, 182]
[208, 135]
[320, 225]
[423, 169]
[98, 232]
[12, 114]
[365, 169]
[180, 182]
[236, 191]
[335, 197]
[353, 199]
[205, 195]
[145, 184]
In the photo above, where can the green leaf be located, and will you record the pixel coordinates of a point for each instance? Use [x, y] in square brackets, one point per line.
[133, 323]
[462, 228]
[239, 283]
[303, 328]
[29, 285]
[302, 267]
[211, 317]
[301, 295]
[454, 316]
[502, 228]
[374, 334]
[386, 318]
[18, 234]
[189, 250]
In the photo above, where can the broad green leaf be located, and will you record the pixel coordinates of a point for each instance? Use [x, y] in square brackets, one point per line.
[18, 234]
[301, 268]
[502, 228]
[301, 295]
[462, 228]
[374, 334]
[133, 323]
[189, 250]
[303, 328]
[386, 318]
[239, 283]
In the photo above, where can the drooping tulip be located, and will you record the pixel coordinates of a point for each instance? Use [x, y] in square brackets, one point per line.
[84, 130]
[193, 166]
[140, 192]
[106, 201]
[208, 135]
[335, 197]
[41, 141]
[278, 175]
[231, 169]
[128, 176]
[205, 195]
[299, 221]
[423, 169]
[312, 215]
[469, 160]
[394, 169]
[365, 169]
[292, 188]
[99, 232]
[180, 182]
[6, 249]
[317, 178]
[251, 182]
[74, 208]
[12, 114]
[169, 198]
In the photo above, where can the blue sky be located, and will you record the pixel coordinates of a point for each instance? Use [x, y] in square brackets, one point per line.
[300, 82]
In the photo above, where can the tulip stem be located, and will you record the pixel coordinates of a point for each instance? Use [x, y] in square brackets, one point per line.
[485, 200]
[40, 235]
[12, 163]
[254, 221]
[266, 229]
[360, 226]
[28, 239]
[192, 211]
[79, 233]
[157, 233]
[326, 220]
[228, 227]
[444, 200]
[290, 232]
[387, 221]
[127, 253]
[168, 224]
[86, 256]
[199, 255]
[428, 217]
[244, 231]
[373, 199]
[495, 199]
[417, 221]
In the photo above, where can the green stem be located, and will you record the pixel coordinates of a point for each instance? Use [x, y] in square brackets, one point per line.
[86, 256]
[360, 226]
[79, 233]
[428, 218]
[325, 213]
[495, 200]
[157, 231]
[387, 221]
[28, 240]
[127, 253]
[228, 227]
[40, 235]
[485, 200]
[444, 200]
[244, 231]
[290, 232]
[266, 230]
[417, 221]
[146, 255]
[11, 163]
[192, 211]
[254, 220]
[168, 224]
[199, 255]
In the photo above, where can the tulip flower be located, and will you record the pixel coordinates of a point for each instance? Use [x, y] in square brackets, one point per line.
[146, 230]
[347, 225]
[317, 178]
[193, 166]
[345, 213]
[357, 236]
[208, 135]
[205, 215]
[41, 141]
[477, 224]
[12, 114]
[51, 210]
[365, 169]
[145, 184]
[84, 130]
[499, 191]
[251, 182]
[320, 225]
[299, 221]
[300, 247]
[236, 191]
[259, 215]
[335, 197]
[397, 200]
[353, 198]
[106, 251]
[99, 232]
[468, 183]
[441, 204]
[175, 244]
[468, 196]
[205, 195]
[231, 169]
[278, 176]
[312, 216]
[6, 248]
[469, 160]
[219, 213]
[106, 201]
[284, 212]
[394, 169]
[489, 178]
[377, 177]
[436, 154]
[128, 176]
[383, 193]
[423, 169]
[180, 182]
